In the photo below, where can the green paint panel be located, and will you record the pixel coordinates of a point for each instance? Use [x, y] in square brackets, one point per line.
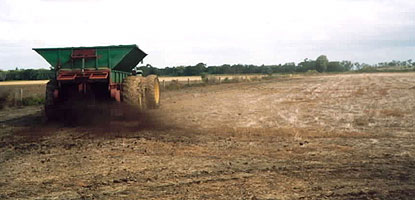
[118, 76]
[122, 58]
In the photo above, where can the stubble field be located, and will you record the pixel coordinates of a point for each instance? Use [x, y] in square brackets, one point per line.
[347, 136]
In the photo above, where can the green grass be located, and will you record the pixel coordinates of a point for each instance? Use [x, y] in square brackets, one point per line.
[33, 100]
[9, 98]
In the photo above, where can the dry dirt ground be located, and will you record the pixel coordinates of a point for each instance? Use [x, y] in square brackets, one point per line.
[307, 137]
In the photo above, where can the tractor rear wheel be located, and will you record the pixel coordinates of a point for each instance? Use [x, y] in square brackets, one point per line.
[152, 86]
[133, 92]
[50, 105]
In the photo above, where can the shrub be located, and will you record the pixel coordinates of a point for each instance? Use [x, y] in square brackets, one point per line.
[311, 72]
[209, 79]
[254, 78]
[32, 101]
[236, 79]
[5, 97]
[203, 75]
[269, 77]
[9, 98]
[173, 85]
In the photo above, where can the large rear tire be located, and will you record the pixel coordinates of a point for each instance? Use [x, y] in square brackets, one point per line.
[133, 92]
[152, 90]
[50, 103]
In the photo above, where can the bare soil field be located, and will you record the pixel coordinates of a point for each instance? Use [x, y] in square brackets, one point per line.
[345, 136]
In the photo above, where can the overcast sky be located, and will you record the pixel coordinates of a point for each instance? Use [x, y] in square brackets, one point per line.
[186, 32]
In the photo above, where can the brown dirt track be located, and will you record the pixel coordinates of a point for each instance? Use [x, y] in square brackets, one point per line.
[307, 137]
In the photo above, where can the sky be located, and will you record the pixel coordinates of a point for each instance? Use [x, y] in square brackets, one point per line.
[215, 32]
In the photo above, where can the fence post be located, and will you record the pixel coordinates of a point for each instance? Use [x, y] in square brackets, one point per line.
[188, 81]
[15, 98]
[164, 85]
[220, 79]
[21, 95]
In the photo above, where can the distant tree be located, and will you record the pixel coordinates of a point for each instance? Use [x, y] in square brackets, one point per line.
[2, 75]
[180, 71]
[14, 75]
[365, 65]
[200, 68]
[44, 74]
[29, 74]
[334, 67]
[195, 70]
[383, 64]
[347, 65]
[394, 63]
[410, 63]
[288, 67]
[321, 63]
[357, 65]
[306, 65]
[215, 70]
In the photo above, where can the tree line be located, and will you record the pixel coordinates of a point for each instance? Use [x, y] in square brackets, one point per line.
[320, 64]
[26, 74]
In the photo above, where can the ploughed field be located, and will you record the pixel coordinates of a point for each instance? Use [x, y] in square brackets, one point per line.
[304, 137]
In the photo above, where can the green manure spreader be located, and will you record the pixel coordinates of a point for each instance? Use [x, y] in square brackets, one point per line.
[100, 73]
